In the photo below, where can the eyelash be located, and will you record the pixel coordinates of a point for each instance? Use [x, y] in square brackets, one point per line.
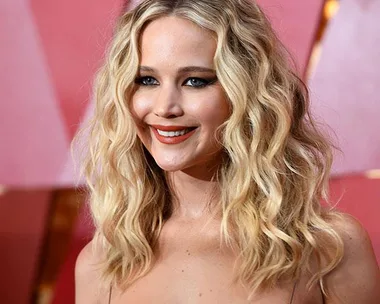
[206, 82]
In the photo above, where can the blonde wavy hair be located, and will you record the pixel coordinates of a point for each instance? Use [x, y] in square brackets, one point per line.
[277, 168]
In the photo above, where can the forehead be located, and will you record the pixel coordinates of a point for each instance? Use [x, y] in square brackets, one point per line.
[176, 42]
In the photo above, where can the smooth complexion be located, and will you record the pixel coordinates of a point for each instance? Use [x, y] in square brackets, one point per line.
[178, 91]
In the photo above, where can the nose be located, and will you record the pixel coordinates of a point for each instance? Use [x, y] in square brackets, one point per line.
[168, 103]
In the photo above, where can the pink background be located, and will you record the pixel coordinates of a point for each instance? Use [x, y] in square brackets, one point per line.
[345, 85]
[49, 51]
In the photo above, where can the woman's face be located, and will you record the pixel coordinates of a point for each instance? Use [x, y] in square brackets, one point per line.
[179, 103]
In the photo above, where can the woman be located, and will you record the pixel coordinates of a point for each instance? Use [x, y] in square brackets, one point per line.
[206, 171]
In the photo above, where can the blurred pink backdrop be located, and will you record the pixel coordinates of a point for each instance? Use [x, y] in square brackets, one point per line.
[49, 51]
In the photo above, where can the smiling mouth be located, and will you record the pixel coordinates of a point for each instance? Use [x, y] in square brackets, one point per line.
[174, 133]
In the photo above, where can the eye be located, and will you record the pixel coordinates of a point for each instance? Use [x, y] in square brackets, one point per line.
[197, 82]
[146, 81]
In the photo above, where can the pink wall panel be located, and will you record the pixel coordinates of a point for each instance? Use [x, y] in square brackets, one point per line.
[33, 141]
[296, 23]
[49, 52]
[346, 84]
[73, 34]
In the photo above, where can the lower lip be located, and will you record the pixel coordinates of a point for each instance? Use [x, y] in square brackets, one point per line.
[172, 140]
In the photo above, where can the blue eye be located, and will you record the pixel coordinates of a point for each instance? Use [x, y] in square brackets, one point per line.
[146, 81]
[193, 82]
[196, 82]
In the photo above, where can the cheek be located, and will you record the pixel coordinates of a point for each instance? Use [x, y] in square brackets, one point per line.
[211, 111]
[140, 107]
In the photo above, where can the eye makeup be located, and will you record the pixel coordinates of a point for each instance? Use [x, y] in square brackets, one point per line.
[198, 82]
[194, 82]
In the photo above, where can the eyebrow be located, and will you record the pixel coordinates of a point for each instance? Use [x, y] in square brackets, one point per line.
[182, 70]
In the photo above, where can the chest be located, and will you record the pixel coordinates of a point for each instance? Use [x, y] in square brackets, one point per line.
[187, 278]
[192, 267]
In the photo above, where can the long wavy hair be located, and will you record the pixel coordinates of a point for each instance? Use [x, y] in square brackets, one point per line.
[277, 166]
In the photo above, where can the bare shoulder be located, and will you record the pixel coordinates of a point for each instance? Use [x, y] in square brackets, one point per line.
[357, 278]
[88, 286]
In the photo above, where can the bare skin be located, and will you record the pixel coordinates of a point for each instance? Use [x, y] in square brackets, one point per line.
[191, 266]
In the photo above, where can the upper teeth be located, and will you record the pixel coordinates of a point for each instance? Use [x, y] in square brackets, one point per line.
[172, 133]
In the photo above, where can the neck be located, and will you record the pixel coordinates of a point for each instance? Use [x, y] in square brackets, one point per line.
[194, 197]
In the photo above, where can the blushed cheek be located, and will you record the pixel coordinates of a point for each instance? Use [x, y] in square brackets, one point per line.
[216, 112]
[139, 108]
[218, 115]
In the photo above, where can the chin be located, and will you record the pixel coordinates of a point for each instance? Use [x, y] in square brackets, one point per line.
[170, 167]
[170, 160]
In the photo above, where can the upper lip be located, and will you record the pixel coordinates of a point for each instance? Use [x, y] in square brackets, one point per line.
[171, 128]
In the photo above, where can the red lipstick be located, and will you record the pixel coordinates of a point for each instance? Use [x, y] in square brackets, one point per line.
[172, 139]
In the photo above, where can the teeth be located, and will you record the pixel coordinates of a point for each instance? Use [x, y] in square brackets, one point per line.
[172, 133]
